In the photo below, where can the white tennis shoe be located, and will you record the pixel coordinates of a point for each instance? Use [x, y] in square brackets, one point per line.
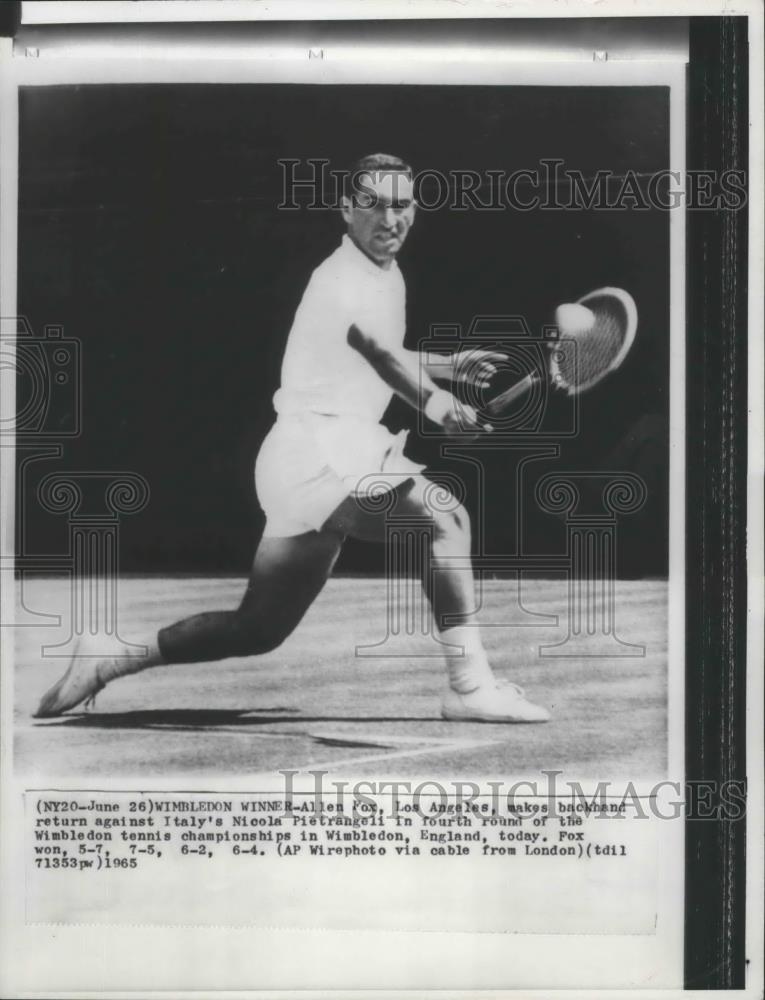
[500, 701]
[80, 682]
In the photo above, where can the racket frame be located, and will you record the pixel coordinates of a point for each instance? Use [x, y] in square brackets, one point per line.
[496, 406]
[630, 310]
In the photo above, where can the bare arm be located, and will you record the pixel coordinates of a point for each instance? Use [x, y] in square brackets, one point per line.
[402, 371]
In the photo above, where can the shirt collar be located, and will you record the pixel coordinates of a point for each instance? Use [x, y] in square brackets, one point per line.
[360, 259]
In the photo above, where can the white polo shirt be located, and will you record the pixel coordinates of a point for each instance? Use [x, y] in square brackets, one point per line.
[321, 372]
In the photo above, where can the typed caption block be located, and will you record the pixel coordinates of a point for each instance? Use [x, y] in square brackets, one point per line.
[225, 859]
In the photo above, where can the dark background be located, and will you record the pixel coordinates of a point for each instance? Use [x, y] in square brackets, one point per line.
[149, 229]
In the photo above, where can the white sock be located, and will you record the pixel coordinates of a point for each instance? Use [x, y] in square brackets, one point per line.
[131, 662]
[468, 665]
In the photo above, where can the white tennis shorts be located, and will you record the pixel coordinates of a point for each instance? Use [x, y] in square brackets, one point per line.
[308, 464]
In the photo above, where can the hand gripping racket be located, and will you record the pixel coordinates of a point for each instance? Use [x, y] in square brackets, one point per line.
[596, 334]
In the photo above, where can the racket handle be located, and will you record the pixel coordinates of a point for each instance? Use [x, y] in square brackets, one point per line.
[501, 402]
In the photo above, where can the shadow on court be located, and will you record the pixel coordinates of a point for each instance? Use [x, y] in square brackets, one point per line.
[202, 718]
[314, 703]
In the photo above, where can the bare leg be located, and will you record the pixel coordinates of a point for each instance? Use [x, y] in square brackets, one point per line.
[450, 587]
[287, 575]
[474, 693]
[447, 580]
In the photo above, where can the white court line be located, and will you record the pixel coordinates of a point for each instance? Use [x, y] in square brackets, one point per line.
[404, 743]
[432, 744]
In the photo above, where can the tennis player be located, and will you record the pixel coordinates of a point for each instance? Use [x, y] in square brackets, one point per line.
[343, 362]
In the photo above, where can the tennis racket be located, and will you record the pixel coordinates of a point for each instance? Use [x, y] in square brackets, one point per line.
[595, 336]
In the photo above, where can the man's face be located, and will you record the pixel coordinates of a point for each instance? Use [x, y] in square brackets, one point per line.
[380, 214]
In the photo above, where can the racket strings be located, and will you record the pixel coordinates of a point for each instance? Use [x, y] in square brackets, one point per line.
[583, 358]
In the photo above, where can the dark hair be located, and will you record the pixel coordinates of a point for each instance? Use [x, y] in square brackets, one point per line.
[371, 164]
